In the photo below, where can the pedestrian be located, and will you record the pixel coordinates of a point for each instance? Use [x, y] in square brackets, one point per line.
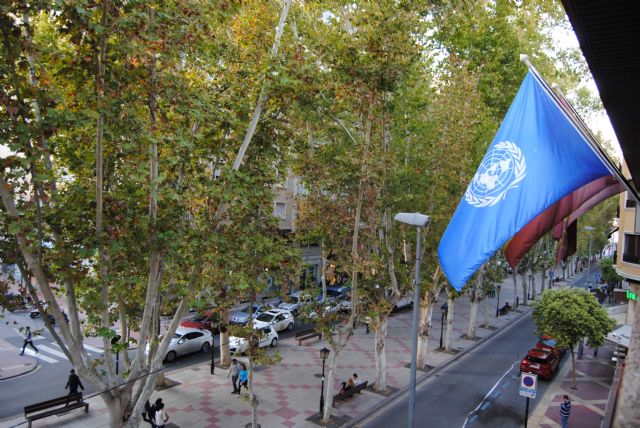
[28, 340]
[73, 383]
[148, 413]
[367, 321]
[234, 372]
[565, 411]
[243, 378]
[356, 381]
[161, 417]
[351, 382]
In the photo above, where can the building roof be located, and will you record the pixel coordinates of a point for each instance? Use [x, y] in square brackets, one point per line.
[610, 41]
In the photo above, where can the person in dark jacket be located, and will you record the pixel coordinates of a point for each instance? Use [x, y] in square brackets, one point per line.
[73, 383]
[148, 413]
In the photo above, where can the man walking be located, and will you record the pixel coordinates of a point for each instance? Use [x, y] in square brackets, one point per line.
[565, 411]
[234, 372]
[28, 340]
[73, 383]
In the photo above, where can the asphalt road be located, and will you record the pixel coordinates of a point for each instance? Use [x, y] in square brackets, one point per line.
[478, 390]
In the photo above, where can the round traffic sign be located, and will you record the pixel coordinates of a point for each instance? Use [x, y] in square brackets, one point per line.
[528, 381]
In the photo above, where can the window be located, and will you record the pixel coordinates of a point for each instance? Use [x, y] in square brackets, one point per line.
[631, 248]
[280, 210]
[631, 203]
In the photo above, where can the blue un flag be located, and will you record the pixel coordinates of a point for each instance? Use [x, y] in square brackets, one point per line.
[536, 158]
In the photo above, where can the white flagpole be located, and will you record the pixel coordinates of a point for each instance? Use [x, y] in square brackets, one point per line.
[575, 119]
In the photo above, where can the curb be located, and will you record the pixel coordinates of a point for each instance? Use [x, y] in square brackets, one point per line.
[387, 401]
[25, 372]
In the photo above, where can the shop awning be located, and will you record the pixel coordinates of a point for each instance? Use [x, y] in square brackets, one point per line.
[620, 335]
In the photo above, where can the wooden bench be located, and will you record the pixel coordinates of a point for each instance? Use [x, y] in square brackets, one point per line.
[55, 406]
[348, 393]
[307, 334]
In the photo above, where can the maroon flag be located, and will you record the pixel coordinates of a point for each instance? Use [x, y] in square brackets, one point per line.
[567, 241]
[579, 201]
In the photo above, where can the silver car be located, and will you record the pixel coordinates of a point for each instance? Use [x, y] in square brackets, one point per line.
[187, 341]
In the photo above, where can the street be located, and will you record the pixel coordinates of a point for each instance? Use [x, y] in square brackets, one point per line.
[451, 397]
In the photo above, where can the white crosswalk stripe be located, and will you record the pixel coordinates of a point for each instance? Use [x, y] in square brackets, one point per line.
[39, 356]
[93, 349]
[52, 351]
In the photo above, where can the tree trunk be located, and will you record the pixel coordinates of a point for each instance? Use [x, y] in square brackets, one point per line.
[627, 412]
[473, 315]
[447, 340]
[379, 352]
[514, 275]
[485, 303]
[253, 398]
[525, 298]
[328, 387]
[424, 328]
[573, 368]
[534, 287]
[225, 352]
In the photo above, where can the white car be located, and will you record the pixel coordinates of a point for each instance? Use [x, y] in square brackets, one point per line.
[279, 319]
[267, 335]
[188, 340]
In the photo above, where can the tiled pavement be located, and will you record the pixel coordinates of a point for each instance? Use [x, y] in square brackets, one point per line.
[593, 380]
[289, 391]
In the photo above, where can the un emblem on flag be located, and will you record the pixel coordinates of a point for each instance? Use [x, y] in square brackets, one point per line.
[502, 169]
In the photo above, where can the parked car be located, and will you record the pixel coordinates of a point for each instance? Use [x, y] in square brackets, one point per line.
[295, 302]
[267, 337]
[540, 362]
[208, 320]
[548, 343]
[187, 341]
[241, 316]
[279, 319]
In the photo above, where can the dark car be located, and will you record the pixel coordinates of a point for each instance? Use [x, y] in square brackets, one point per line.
[540, 362]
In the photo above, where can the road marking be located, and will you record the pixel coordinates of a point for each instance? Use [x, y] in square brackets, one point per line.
[33, 354]
[482, 403]
[52, 351]
[91, 348]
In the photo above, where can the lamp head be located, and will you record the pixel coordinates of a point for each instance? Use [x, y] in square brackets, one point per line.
[413, 219]
[324, 353]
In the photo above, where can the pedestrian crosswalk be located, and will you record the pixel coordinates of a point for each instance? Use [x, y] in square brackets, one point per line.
[51, 353]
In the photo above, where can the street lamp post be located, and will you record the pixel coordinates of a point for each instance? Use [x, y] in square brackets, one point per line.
[114, 342]
[590, 230]
[498, 301]
[324, 353]
[443, 310]
[419, 221]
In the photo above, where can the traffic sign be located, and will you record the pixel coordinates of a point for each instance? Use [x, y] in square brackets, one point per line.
[528, 385]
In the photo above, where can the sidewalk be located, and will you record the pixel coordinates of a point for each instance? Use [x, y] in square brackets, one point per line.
[289, 392]
[13, 364]
[594, 375]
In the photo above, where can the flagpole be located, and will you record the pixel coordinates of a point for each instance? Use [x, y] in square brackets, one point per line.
[575, 119]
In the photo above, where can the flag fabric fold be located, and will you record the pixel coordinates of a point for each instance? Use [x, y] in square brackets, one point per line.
[581, 200]
[536, 158]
